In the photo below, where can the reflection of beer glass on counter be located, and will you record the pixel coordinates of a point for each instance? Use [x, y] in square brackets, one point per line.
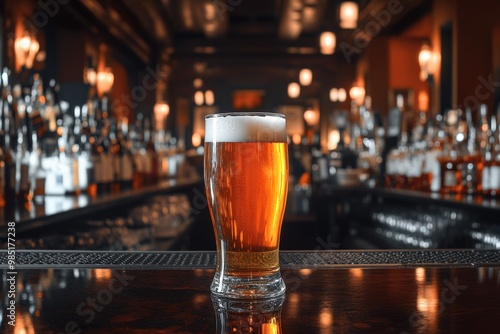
[248, 316]
[246, 180]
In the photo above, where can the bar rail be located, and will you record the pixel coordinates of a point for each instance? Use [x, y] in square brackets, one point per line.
[289, 259]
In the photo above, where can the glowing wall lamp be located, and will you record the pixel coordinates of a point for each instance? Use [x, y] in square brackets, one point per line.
[293, 90]
[305, 77]
[161, 111]
[197, 83]
[26, 48]
[90, 76]
[425, 58]
[311, 117]
[348, 15]
[105, 80]
[196, 139]
[357, 94]
[327, 42]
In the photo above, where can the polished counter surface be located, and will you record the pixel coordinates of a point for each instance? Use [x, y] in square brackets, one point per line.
[327, 292]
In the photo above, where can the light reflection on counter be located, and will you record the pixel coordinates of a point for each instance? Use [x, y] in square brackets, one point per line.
[420, 275]
[427, 300]
[305, 272]
[102, 274]
[293, 304]
[356, 274]
[24, 324]
[325, 317]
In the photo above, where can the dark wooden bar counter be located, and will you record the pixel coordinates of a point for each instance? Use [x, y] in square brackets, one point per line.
[327, 292]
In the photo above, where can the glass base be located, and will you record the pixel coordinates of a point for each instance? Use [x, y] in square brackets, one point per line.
[269, 286]
[247, 306]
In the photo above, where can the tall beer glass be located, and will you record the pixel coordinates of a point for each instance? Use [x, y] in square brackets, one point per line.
[246, 182]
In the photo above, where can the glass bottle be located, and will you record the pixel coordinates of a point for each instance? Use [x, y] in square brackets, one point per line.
[151, 169]
[471, 162]
[115, 157]
[449, 162]
[489, 155]
[97, 150]
[39, 178]
[493, 166]
[436, 138]
[126, 160]
[2, 166]
[10, 173]
[101, 164]
[89, 129]
[69, 157]
[24, 192]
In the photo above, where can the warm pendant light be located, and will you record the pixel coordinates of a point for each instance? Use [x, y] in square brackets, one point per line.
[311, 117]
[209, 97]
[334, 94]
[424, 60]
[197, 83]
[305, 77]
[342, 95]
[348, 15]
[105, 80]
[199, 98]
[293, 90]
[357, 94]
[327, 42]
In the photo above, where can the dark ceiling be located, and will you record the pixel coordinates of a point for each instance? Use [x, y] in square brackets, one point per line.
[155, 29]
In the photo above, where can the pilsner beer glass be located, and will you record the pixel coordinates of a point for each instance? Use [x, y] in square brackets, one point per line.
[246, 182]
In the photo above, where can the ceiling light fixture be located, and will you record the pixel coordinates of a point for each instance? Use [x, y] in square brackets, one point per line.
[425, 60]
[199, 98]
[305, 77]
[357, 94]
[327, 42]
[209, 97]
[349, 14]
[342, 95]
[334, 94]
[311, 117]
[293, 90]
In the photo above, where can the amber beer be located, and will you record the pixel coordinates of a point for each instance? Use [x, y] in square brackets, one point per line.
[246, 178]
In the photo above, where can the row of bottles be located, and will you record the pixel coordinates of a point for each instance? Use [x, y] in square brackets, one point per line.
[451, 154]
[48, 149]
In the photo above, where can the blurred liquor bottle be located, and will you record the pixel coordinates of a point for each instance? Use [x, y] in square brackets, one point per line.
[449, 162]
[491, 170]
[471, 161]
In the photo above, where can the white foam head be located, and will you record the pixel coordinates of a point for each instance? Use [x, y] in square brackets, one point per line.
[245, 127]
